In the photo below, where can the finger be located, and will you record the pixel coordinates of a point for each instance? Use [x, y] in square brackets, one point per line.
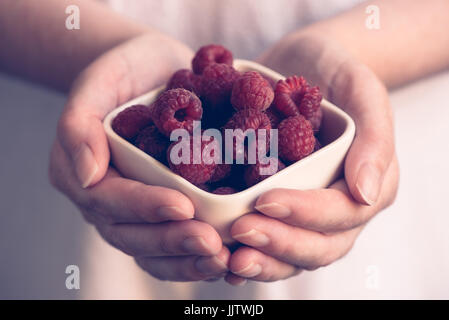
[373, 147]
[250, 263]
[116, 199]
[187, 268]
[189, 237]
[326, 210]
[299, 247]
[323, 210]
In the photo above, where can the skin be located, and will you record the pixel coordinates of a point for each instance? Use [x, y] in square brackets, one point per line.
[297, 230]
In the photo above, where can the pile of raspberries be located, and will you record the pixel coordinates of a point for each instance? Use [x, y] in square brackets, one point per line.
[221, 97]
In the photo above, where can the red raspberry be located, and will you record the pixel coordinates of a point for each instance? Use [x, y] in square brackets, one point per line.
[253, 172]
[186, 79]
[224, 190]
[251, 90]
[310, 102]
[176, 109]
[196, 173]
[207, 55]
[274, 116]
[130, 121]
[296, 139]
[216, 84]
[294, 96]
[151, 141]
[248, 119]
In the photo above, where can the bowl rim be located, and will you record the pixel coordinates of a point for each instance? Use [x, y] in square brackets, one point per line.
[348, 133]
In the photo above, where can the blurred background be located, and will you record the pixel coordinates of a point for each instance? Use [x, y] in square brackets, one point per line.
[41, 232]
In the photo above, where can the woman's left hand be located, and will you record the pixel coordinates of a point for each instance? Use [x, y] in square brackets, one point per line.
[307, 229]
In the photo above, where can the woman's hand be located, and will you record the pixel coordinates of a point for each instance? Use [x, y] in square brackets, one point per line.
[153, 224]
[308, 229]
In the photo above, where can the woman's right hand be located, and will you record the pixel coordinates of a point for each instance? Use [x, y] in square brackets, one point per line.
[153, 224]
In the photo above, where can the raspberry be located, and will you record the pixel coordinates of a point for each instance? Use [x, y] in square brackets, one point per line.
[221, 172]
[207, 55]
[176, 109]
[196, 173]
[253, 172]
[251, 90]
[185, 79]
[152, 142]
[310, 102]
[130, 121]
[216, 84]
[294, 96]
[274, 116]
[248, 119]
[296, 139]
[224, 190]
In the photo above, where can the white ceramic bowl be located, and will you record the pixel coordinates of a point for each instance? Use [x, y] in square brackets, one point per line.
[315, 171]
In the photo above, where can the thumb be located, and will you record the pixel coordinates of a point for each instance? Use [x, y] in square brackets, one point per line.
[373, 148]
[82, 136]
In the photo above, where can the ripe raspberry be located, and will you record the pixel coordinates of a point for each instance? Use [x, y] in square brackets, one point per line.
[151, 141]
[224, 190]
[310, 102]
[207, 55]
[274, 116]
[294, 96]
[216, 84]
[221, 172]
[253, 172]
[248, 119]
[196, 173]
[296, 139]
[186, 79]
[130, 121]
[176, 109]
[251, 90]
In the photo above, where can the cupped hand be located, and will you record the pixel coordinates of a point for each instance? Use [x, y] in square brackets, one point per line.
[153, 224]
[297, 230]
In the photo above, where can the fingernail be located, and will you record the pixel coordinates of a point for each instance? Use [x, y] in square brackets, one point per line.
[250, 270]
[274, 209]
[196, 245]
[368, 183]
[85, 165]
[253, 238]
[210, 266]
[172, 213]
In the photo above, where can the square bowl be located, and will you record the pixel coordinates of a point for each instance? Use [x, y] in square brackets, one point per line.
[317, 170]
